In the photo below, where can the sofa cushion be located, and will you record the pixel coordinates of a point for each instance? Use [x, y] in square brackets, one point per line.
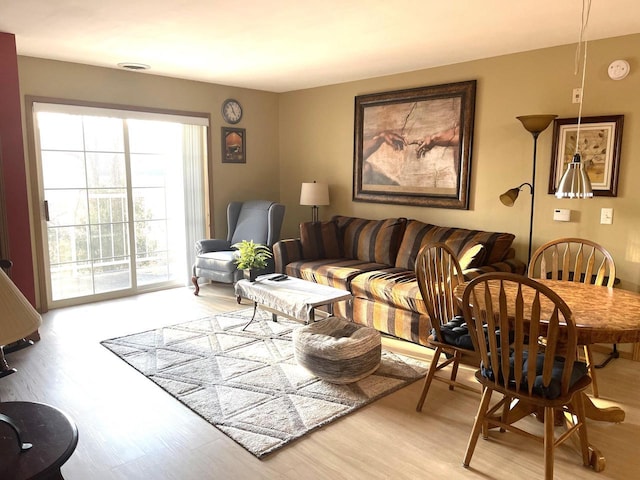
[418, 234]
[395, 287]
[337, 273]
[512, 265]
[321, 240]
[401, 323]
[371, 240]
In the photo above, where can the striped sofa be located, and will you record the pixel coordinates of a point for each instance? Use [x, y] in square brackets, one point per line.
[375, 261]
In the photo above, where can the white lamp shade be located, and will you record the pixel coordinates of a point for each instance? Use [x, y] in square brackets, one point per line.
[18, 318]
[314, 194]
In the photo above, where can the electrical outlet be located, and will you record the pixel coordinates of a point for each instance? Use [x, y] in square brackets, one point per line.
[577, 95]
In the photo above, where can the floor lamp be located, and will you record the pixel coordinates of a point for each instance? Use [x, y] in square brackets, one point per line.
[535, 124]
[18, 319]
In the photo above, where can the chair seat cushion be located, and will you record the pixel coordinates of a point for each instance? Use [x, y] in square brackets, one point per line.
[550, 391]
[218, 261]
[456, 333]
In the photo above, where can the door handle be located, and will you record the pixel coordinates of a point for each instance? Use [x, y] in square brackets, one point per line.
[46, 210]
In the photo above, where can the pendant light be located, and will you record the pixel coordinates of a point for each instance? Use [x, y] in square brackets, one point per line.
[575, 182]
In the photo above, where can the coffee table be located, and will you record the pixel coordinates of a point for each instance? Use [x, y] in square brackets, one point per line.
[294, 298]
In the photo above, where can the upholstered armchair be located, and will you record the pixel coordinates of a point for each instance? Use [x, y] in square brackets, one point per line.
[258, 220]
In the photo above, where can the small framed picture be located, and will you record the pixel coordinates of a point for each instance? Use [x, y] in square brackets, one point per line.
[233, 145]
[599, 146]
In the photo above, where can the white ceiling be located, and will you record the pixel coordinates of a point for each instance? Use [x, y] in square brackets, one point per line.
[284, 45]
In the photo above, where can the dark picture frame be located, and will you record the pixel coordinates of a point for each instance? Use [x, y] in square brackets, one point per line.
[600, 145]
[413, 147]
[233, 145]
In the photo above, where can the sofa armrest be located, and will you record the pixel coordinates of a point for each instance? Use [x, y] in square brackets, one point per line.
[212, 245]
[286, 251]
[512, 265]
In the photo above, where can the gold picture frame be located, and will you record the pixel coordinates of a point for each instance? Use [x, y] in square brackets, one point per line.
[413, 147]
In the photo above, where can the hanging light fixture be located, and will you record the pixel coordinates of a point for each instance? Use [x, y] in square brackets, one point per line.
[575, 182]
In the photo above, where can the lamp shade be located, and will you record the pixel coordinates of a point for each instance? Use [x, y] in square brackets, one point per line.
[575, 182]
[18, 318]
[314, 194]
[509, 197]
[536, 123]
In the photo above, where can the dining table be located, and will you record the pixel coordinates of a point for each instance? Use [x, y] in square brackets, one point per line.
[601, 315]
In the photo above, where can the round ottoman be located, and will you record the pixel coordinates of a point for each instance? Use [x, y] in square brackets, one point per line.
[336, 350]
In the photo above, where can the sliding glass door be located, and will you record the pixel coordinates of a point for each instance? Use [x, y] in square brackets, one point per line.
[113, 191]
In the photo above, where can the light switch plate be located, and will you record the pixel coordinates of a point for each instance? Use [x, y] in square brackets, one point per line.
[606, 216]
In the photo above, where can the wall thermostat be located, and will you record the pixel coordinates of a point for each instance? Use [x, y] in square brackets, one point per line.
[562, 215]
[618, 69]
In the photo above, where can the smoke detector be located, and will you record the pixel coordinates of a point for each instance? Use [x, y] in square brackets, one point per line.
[618, 69]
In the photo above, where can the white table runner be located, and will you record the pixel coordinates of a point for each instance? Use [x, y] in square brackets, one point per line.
[293, 297]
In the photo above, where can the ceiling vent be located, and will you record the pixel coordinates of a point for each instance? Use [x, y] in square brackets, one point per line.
[134, 66]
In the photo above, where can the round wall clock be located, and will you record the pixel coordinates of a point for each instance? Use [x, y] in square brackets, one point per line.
[231, 111]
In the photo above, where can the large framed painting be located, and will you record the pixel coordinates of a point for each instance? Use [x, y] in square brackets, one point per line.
[600, 142]
[413, 147]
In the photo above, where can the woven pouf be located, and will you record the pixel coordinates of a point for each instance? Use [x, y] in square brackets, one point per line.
[336, 350]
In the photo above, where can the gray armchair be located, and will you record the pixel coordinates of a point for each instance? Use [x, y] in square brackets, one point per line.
[258, 220]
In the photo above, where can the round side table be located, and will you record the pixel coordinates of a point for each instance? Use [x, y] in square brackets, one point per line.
[53, 434]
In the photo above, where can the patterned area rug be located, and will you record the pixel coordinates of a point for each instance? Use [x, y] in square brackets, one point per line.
[247, 384]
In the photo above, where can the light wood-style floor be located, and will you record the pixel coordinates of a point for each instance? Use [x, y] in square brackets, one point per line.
[131, 429]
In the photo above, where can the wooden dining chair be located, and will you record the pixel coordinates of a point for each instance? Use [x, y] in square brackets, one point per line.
[575, 260]
[512, 312]
[439, 273]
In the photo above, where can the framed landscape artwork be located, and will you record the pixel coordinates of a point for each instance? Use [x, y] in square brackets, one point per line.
[233, 145]
[599, 146]
[413, 147]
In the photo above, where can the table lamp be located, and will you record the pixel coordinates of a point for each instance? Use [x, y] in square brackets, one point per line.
[314, 194]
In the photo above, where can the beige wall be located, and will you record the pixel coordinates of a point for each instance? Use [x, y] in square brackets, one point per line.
[316, 143]
[256, 179]
[313, 139]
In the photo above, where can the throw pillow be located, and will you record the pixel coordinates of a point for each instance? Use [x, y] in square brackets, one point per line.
[472, 256]
[372, 240]
[320, 240]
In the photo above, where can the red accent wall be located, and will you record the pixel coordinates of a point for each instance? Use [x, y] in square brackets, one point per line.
[13, 169]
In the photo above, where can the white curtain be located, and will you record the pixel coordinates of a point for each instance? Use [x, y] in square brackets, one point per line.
[194, 154]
